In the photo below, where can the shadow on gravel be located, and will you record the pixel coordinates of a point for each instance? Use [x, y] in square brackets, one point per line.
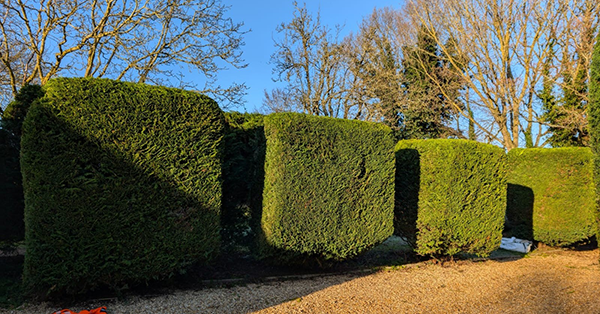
[232, 270]
[11, 268]
[252, 285]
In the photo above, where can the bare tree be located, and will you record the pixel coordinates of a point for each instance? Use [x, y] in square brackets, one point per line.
[310, 61]
[373, 59]
[565, 110]
[506, 43]
[279, 100]
[388, 58]
[133, 40]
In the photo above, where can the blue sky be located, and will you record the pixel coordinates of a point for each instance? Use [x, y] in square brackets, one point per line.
[263, 16]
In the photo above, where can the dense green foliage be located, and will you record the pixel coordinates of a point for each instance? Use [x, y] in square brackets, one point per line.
[450, 196]
[559, 113]
[122, 183]
[12, 227]
[329, 186]
[15, 112]
[244, 147]
[551, 195]
[431, 89]
[594, 118]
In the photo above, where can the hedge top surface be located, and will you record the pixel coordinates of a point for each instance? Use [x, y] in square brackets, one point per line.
[443, 144]
[556, 151]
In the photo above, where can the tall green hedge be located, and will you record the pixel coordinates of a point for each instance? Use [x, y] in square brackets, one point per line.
[450, 196]
[12, 226]
[561, 209]
[329, 187]
[593, 114]
[122, 183]
[244, 148]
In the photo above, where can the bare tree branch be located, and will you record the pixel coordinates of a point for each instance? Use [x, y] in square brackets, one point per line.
[119, 39]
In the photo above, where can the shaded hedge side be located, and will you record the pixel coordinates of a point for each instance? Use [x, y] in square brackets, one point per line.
[560, 209]
[122, 184]
[244, 146]
[329, 187]
[593, 115]
[450, 196]
[12, 226]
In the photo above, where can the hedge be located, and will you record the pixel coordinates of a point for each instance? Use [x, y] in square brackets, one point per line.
[593, 114]
[559, 208]
[122, 184]
[329, 187]
[12, 226]
[244, 146]
[450, 196]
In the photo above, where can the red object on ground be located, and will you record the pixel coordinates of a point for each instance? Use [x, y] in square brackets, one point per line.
[100, 310]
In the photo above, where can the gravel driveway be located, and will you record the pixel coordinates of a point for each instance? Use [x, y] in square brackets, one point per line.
[547, 281]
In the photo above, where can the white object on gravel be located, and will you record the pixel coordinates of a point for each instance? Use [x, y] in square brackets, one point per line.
[517, 245]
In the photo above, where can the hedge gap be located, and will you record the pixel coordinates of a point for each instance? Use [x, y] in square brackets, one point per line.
[122, 184]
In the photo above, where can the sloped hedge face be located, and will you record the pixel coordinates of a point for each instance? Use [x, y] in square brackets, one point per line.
[450, 196]
[329, 186]
[551, 195]
[122, 183]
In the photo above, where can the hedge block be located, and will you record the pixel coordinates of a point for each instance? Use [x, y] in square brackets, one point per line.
[329, 186]
[12, 226]
[122, 183]
[450, 196]
[551, 194]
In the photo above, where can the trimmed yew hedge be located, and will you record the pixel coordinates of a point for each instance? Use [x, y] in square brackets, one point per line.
[329, 187]
[450, 196]
[122, 184]
[12, 226]
[593, 114]
[244, 148]
[560, 208]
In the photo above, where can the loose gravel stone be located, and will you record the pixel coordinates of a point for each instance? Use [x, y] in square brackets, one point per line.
[558, 281]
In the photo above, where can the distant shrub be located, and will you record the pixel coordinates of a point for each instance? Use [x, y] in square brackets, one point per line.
[122, 184]
[244, 147]
[450, 196]
[329, 187]
[560, 209]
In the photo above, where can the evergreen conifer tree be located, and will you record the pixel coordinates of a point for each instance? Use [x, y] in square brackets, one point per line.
[428, 84]
[560, 113]
[594, 105]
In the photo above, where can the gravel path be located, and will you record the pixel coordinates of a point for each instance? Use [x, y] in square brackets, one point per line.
[548, 281]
